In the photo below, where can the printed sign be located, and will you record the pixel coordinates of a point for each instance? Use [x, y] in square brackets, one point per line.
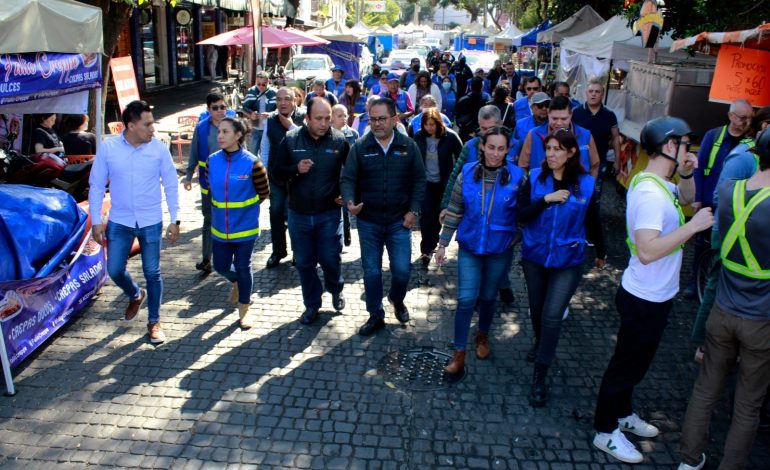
[741, 73]
[376, 6]
[32, 310]
[124, 78]
[24, 77]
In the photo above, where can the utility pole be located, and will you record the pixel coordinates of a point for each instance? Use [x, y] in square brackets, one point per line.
[358, 11]
[416, 16]
[485, 14]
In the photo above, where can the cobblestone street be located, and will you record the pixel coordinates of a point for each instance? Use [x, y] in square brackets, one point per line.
[284, 395]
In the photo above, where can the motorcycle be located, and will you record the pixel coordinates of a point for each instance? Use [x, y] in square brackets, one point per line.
[45, 170]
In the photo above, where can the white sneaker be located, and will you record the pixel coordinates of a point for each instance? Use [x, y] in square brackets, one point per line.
[636, 425]
[684, 466]
[617, 446]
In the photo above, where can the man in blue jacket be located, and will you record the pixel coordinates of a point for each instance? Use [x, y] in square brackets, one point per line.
[259, 103]
[336, 84]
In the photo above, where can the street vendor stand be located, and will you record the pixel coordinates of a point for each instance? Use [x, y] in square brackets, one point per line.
[51, 56]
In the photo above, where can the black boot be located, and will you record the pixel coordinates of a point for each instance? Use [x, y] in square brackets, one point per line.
[532, 353]
[538, 393]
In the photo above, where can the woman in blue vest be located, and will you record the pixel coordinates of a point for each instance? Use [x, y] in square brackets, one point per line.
[482, 210]
[448, 99]
[237, 186]
[353, 100]
[555, 205]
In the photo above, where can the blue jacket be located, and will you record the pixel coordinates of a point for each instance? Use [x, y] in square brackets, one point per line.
[234, 200]
[523, 126]
[485, 87]
[371, 80]
[493, 230]
[203, 129]
[556, 238]
[521, 106]
[448, 103]
[537, 152]
[705, 185]
[363, 121]
[409, 78]
[437, 79]
[416, 122]
[335, 87]
[401, 103]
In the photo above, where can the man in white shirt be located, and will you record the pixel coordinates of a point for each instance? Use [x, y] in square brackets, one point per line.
[656, 234]
[135, 165]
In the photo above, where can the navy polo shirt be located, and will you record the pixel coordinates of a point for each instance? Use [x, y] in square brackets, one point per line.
[600, 125]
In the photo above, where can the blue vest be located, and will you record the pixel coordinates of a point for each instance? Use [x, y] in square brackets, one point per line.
[360, 106]
[521, 106]
[371, 80]
[409, 78]
[493, 230]
[400, 100]
[203, 129]
[234, 200]
[437, 79]
[336, 88]
[556, 238]
[375, 90]
[537, 153]
[363, 121]
[473, 150]
[485, 88]
[448, 102]
[416, 122]
[523, 126]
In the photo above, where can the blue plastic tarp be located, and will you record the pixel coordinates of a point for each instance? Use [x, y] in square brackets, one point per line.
[39, 228]
[530, 37]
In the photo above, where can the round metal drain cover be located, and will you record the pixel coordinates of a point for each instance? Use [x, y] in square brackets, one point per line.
[418, 369]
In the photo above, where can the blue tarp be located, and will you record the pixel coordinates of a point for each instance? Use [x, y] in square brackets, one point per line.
[530, 37]
[38, 230]
[344, 54]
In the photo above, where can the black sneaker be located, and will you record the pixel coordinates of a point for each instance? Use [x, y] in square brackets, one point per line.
[275, 260]
[204, 266]
[308, 316]
[338, 302]
[373, 324]
[402, 313]
[506, 295]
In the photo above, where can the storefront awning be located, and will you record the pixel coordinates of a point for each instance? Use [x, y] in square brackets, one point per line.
[235, 5]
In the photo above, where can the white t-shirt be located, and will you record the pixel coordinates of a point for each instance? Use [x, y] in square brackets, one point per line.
[647, 207]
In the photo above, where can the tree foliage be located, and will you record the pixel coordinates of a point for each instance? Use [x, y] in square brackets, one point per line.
[391, 16]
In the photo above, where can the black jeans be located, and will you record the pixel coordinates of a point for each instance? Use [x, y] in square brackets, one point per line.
[641, 328]
[429, 224]
[549, 290]
[279, 201]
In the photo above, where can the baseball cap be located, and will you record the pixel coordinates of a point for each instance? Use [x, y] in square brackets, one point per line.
[540, 97]
[479, 70]
[393, 77]
[337, 68]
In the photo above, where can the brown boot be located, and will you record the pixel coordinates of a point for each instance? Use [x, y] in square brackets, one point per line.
[455, 366]
[482, 345]
[245, 319]
[234, 294]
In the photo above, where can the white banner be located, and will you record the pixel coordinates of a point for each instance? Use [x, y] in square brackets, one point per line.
[375, 6]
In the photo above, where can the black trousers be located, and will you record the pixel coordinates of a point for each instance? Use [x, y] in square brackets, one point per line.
[641, 328]
[429, 224]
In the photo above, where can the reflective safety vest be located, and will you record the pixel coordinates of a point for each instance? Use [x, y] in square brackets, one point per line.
[644, 176]
[749, 142]
[743, 262]
[234, 199]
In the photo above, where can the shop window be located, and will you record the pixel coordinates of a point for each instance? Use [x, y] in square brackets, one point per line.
[185, 51]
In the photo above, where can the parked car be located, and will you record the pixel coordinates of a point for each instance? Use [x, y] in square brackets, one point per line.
[476, 59]
[302, 66]
[399, 59]
[421, 49]
[431, 42]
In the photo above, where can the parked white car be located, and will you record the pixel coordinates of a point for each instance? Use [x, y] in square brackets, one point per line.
[399, 59]
[302, 66]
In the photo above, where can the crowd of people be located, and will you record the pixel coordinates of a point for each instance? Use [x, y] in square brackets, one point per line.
[492, 160]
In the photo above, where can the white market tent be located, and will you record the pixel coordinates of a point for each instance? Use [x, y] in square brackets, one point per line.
[582, 20]
[339, 32]
[361, 28]
[507, 35]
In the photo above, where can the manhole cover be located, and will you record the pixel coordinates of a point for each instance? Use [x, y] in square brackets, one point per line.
[417, 369]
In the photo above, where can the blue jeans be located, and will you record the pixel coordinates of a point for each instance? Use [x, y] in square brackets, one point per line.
[317, 239]
[549, 290]
[206, 229]
[256, 143]
[478, 278]
[279, 200]
[398, 240]
[233, 261]
[120, 238]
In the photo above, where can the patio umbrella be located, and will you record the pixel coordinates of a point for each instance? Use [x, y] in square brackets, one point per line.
[272, 38]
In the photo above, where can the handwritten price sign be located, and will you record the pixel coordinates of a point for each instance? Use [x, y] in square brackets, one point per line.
[741, 73]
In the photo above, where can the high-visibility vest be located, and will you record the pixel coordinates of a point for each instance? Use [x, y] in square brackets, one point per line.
[718, 144]
[748, 266]
[644, 176]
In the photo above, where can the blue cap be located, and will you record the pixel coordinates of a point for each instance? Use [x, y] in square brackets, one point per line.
[392, 77]
[338, 68]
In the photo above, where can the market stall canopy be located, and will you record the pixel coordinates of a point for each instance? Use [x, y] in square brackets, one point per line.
[335, 31]
[272, 38]
[361, 28]
[530, 37]
[383, 30]
[477, 29]
[50, 25]
[757, 38]
[507, 35]
[580, 21]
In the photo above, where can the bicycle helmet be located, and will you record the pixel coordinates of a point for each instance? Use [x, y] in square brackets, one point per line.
[657, 131]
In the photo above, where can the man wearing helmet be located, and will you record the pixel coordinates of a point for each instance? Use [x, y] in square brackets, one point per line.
[656, 233]
[739, 320]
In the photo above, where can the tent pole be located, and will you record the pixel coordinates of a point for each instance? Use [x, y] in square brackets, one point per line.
[99, 117]
[609, 78]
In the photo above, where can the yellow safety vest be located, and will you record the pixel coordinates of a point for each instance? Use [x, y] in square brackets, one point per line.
[644, 176]
[749, 266]
[718, 144]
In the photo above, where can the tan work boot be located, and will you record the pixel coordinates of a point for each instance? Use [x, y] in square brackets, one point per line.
[246, 320]
[456, 365]
[234, 294]
[482, 345]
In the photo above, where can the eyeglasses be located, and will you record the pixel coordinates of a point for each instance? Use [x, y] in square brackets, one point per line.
[740, 118]
[542, 105]
[687, 144]
[380, 120]
[218, 107]
[532, 89]
[261, 84]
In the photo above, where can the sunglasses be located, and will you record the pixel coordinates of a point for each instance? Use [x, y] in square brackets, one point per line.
[532, 89]
[218, 107]
[687, 145]
[542, 105]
